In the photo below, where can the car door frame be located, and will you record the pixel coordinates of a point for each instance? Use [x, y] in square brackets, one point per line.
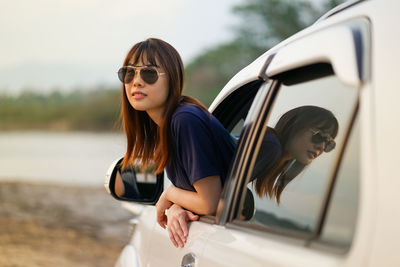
[233, 196]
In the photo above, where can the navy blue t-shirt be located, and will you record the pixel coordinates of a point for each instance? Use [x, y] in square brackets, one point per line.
[202, 147]
[269, 154]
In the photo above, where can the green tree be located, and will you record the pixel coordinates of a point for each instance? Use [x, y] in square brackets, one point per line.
[264, 23]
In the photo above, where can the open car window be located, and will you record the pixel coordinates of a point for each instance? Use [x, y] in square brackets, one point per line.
[296, 156]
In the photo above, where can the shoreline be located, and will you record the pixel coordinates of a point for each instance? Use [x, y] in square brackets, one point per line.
[44, 224]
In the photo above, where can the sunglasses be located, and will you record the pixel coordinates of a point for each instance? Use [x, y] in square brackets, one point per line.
[318, 137]
[149, 74]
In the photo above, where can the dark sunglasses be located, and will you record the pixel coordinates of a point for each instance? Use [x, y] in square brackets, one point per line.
[149, 74]
[318, 137]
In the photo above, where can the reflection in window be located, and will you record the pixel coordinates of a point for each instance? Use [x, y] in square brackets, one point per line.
[297, 153]
[342, 212]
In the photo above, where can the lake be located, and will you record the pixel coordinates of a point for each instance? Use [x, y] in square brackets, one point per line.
[69, 158]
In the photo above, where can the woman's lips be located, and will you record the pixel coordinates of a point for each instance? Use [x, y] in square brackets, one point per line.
[138, 95]
[311, 154]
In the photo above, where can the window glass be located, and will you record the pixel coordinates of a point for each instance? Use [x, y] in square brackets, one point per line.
[233, 111]
[237, 129]
[296, 153]
[342, 212]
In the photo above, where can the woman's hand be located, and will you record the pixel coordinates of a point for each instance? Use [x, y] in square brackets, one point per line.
[177, 222]
[162, 205]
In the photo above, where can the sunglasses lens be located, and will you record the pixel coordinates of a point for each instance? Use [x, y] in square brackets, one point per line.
[330, 146]
[126, 75]
[121, 74]
[149, 75]
[129, 75]
[317, 138]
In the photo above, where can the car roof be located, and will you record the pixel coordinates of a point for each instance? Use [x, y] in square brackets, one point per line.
[339, 9]
[252, 71]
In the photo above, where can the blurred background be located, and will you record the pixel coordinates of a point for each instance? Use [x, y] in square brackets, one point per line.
[60, 101]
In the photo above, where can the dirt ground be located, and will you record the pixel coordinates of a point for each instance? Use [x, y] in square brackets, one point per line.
[52, 225]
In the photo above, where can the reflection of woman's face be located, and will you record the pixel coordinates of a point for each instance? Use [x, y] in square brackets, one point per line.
[301, 148]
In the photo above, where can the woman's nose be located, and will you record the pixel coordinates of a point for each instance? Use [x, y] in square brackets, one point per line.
[320, 147]
[137, 80]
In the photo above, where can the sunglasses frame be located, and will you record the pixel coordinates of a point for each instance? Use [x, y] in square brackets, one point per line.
[139, 68]
[330, 144]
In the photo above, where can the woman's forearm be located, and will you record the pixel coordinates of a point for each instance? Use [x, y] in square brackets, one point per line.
[191, 201]
[203, 202]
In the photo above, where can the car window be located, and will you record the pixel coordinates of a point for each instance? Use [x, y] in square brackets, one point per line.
[342, 212]
[233, 110]
[297, 153]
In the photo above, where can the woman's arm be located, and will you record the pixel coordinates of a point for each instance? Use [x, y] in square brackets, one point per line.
[119, 185]
[204, 201]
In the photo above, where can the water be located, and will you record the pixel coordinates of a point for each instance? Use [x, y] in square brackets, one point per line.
[76, 158]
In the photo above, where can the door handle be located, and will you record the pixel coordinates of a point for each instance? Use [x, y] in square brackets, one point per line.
[189, 260]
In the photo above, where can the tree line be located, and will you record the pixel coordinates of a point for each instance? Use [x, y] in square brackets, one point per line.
[263, 23]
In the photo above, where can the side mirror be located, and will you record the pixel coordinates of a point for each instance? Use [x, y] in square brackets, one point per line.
[133, 185]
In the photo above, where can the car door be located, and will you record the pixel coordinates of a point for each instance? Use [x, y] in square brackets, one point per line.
[231, 112]
[315, 222]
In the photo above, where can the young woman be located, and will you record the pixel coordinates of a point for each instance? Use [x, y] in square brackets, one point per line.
[174, 132]
[300, 136]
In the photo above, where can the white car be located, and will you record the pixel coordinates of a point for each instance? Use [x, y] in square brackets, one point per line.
[343, 209]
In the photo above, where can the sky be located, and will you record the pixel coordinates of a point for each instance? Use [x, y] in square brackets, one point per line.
[68, 44]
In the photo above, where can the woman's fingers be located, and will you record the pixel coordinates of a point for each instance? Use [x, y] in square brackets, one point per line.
[162, 205]
[177, 220]
[179, 227]
[191, 216]
[182, 225]
[172, 238]
[173, 231]
[161, 217]
[162, 221]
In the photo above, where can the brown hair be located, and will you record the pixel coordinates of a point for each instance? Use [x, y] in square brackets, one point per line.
[146, 142]
[271, 180]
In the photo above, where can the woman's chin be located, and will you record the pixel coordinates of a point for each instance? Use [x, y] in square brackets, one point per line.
[305, 161]
[138, 107]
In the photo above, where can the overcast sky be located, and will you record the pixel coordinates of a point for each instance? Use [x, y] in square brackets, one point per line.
[48, 44]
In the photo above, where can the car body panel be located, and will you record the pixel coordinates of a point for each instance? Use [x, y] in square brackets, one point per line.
[228, 246]
[385, 95]
[128, 257]
[317, 48]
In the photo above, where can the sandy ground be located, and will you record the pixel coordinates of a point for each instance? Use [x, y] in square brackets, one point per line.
[52, 225]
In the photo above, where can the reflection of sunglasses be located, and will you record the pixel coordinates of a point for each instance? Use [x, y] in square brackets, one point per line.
[318, 137]
[149, 74]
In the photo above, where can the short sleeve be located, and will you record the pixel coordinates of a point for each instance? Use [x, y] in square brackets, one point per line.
[268, 155]
[195, 145]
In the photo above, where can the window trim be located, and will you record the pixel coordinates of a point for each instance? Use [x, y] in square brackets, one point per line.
[248, 92]
[228, 205]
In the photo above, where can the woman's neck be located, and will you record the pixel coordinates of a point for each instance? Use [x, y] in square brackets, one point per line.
[286, 155]
[156, 116]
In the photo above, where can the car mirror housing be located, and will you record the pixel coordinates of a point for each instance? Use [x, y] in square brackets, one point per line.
[132, 184]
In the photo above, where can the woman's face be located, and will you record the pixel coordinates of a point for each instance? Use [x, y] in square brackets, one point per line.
[148, 97]
[301, 147]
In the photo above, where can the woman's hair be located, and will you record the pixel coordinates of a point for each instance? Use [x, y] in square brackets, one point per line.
[271, 181]
[146, 142]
